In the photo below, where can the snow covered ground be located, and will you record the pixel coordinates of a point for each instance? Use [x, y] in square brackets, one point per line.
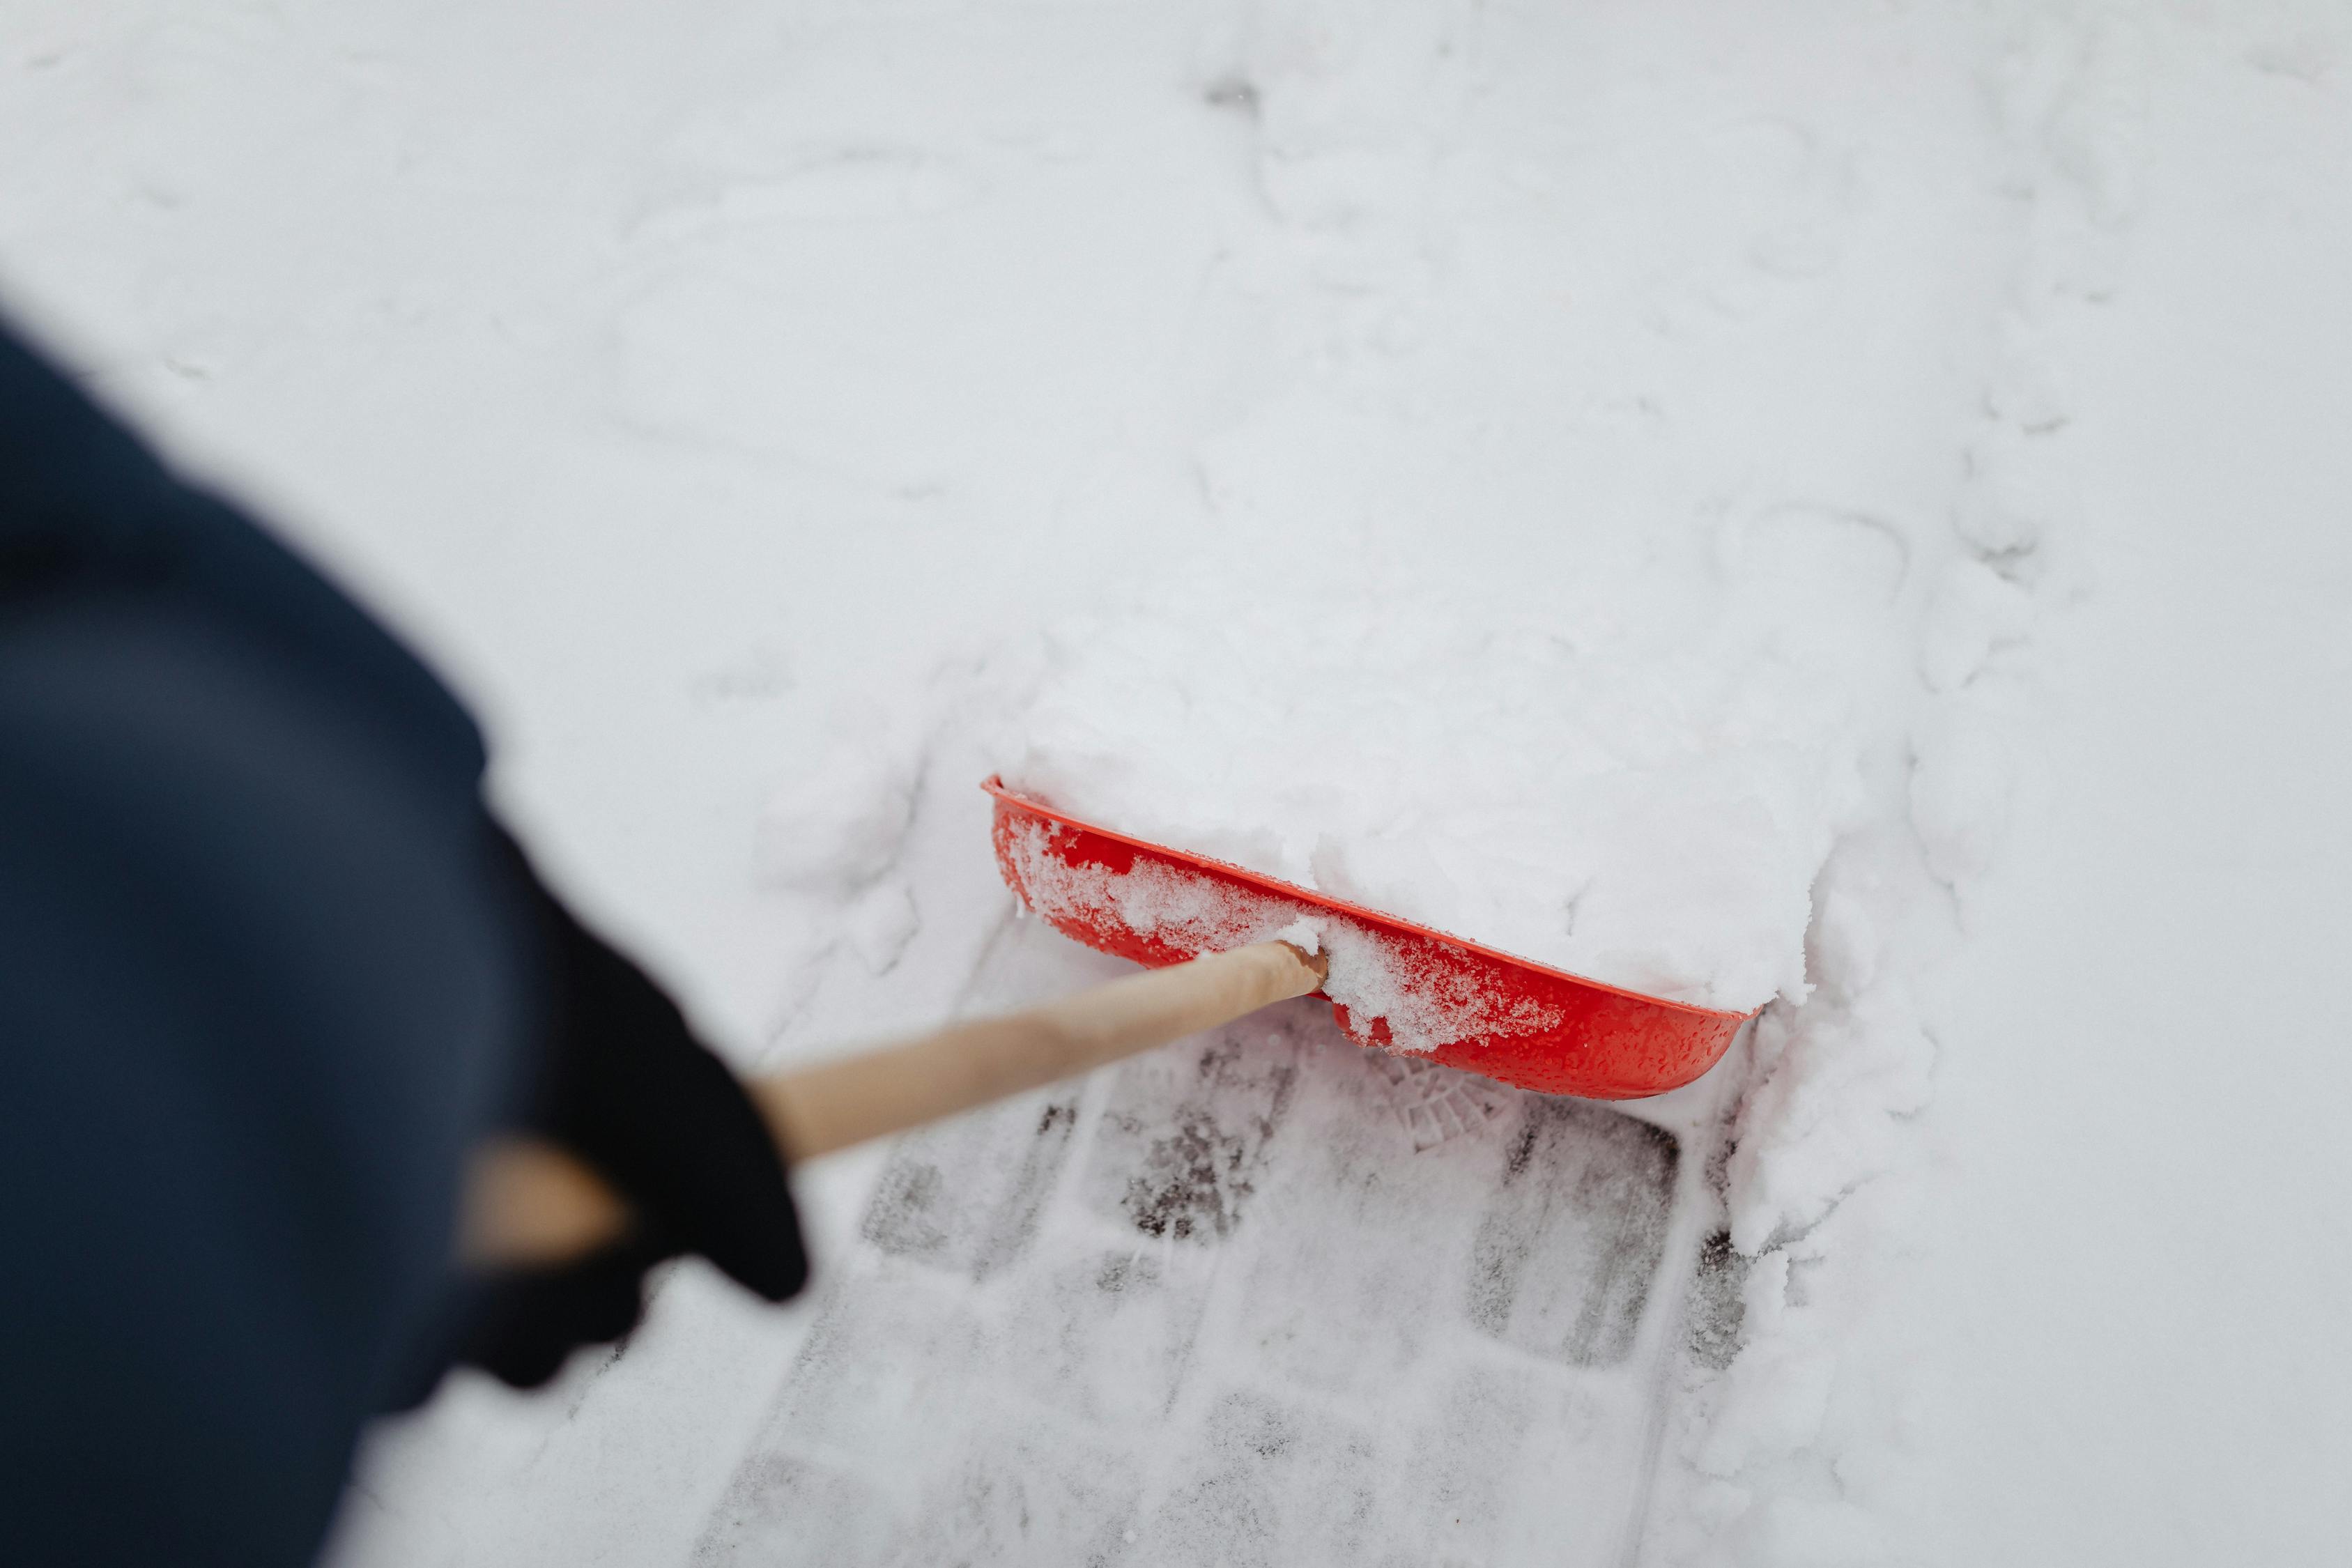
[1930, 418]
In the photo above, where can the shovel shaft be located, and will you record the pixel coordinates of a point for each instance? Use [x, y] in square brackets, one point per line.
[528, 1203]
[817, 1109]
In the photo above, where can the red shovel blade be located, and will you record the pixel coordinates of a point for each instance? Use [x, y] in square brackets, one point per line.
[1479, 1010]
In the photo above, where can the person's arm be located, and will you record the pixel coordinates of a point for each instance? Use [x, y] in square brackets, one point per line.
[269, 972]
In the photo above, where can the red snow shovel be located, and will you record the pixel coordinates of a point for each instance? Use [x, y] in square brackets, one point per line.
[1214, 934]
[1499, 1016]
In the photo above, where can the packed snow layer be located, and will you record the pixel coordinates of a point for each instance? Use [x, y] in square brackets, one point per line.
[1534, 785]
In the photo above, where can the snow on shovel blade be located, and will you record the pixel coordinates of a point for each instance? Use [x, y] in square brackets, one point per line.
[1394, 985]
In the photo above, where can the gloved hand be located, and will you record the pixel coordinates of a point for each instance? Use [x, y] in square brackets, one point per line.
[622, 1085]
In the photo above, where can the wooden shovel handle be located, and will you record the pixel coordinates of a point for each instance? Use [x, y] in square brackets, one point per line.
[528, 1203]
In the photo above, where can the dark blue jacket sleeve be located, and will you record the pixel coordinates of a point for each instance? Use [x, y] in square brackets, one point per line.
[267, 969]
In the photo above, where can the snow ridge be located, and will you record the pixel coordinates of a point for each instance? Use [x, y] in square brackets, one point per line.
[1811, 1446]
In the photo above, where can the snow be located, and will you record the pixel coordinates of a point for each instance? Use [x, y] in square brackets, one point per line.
[1305, 933]
[1381, 978]
[1558, 787]
[1850, 497]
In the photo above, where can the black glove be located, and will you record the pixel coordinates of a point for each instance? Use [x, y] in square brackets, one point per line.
[623, 1086]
